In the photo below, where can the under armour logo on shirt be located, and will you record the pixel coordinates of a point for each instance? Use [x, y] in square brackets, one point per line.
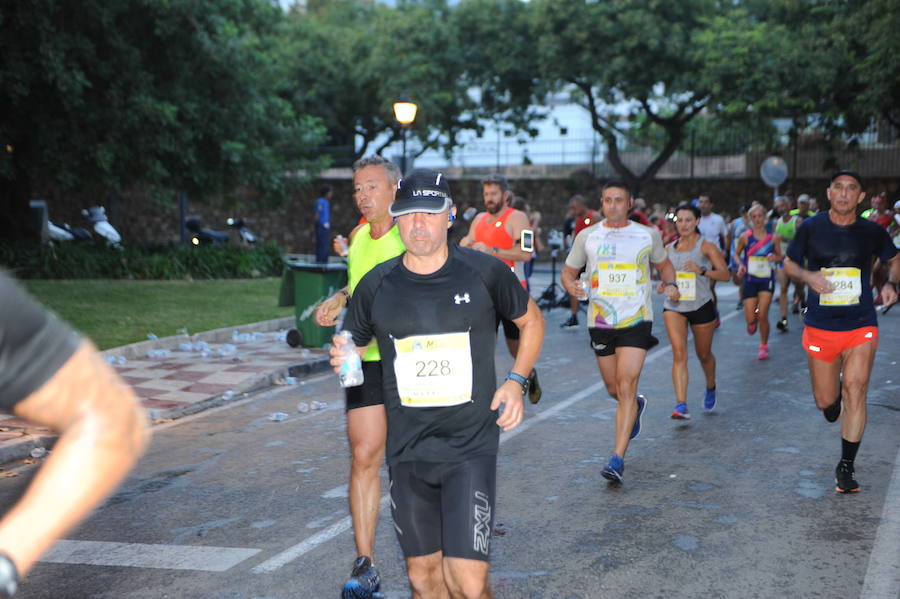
[461, 298]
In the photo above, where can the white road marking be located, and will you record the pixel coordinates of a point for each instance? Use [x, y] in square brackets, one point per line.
[141, 555]
[307, 545]
[883, 574]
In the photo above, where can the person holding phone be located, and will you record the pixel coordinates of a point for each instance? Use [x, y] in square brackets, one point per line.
[498, 231]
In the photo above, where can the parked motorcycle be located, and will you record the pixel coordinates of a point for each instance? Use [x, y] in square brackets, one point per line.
[246, 236]
[102, 227]
[202, 236]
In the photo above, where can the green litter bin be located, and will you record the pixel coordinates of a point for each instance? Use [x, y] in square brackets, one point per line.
[313, 283]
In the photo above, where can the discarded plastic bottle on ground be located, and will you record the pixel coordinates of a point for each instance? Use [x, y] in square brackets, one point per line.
[152, 336]
[351, 373]
[38, 452]
[121, 360]
[303, 407]
[318, 405]
[228, 395]
[184, 346]
[111, 360]
[277, 416]
[290, 380]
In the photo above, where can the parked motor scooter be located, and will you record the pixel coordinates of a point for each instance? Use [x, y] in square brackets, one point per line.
[102, 227]
[246, 236]
[53, 234]
[201, 236]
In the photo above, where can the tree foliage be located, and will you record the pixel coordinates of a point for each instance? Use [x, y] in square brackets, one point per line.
[350, 60]
[173, 95]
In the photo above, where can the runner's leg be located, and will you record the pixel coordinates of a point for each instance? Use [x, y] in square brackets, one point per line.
[750, 309]
[629, 362]
[367, 432]
[857, 368]
[426, 576]
[826, 380]
[467, 578]
[765, 299]
[784, 287]
[676, 327]
[703, 336]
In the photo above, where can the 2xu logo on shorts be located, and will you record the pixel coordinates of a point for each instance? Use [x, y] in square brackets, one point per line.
[482, 532]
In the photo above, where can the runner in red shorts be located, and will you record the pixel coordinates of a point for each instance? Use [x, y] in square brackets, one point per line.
[841, 334]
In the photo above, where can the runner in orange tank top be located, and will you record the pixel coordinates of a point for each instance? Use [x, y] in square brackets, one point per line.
[497, 231]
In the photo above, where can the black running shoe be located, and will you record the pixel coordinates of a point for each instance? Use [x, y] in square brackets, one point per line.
[534, 388]
[844, 478]
[833, 412]
[364, 581]
[572, 322]
[782, 325]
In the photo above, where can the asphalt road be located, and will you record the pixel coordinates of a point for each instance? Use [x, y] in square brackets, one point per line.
[738, 502]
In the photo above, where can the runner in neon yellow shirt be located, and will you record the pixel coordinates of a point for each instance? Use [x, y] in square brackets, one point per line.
[374, 184]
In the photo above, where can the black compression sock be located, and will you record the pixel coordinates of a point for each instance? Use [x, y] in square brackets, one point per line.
[848, 450]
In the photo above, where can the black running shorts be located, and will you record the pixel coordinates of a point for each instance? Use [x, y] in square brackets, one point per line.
[605, 341]
[444, 506]
[702, 315]
[370, 392]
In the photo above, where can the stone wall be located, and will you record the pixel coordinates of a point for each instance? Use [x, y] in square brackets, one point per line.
[143, 219]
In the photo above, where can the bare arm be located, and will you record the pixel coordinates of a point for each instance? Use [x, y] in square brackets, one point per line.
[719, 271]
[516, 222]
[103, 431]
[568, 278]
[531, 338]
[815, 279]
[888, 291]
[667, 274]
[469, 239]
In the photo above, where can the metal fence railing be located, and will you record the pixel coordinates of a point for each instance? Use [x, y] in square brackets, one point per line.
[565, 155]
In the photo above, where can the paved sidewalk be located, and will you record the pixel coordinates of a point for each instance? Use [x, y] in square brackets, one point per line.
[185, 374]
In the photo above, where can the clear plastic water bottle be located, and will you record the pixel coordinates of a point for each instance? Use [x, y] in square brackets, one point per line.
[351, 373]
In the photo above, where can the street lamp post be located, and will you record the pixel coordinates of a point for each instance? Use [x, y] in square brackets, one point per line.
[405, 113]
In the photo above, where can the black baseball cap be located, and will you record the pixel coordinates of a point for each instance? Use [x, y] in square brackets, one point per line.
[423, 190]
[849, 173]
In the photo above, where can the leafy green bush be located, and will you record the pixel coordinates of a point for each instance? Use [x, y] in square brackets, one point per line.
[81, 261]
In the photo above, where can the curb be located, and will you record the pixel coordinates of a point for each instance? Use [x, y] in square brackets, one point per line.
[223, 335]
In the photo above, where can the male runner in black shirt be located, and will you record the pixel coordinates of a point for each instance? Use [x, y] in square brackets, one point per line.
[49, 376]
[433, 311]
[841, 332]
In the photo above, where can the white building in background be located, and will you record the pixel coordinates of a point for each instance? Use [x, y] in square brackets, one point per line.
[564, 137]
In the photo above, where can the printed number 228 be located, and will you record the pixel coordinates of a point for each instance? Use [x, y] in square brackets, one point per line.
[433, 368]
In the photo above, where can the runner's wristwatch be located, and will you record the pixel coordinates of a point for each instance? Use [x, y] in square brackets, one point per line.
[512, 376]
[9, 577]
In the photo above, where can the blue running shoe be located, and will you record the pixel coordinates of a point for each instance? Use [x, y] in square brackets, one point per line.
[709, 402]
[614, 470]
[680, 412]
[642, 403]
[364, 581]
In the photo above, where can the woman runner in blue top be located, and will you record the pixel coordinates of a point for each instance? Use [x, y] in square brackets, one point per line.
[758, 250]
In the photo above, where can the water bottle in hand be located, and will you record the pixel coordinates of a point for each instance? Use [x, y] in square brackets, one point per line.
[351, 373]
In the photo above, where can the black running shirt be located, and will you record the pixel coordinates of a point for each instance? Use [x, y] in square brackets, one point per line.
[438, 332]
[33, 344]
[823, 244]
